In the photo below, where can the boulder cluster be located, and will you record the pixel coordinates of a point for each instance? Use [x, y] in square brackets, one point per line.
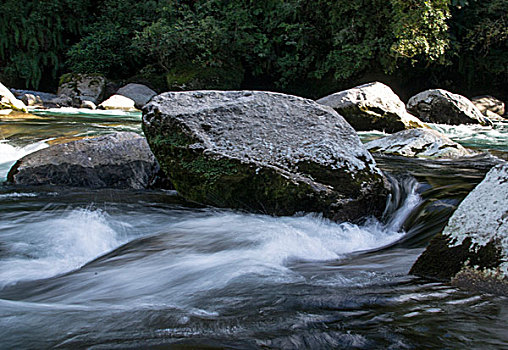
[279, 154]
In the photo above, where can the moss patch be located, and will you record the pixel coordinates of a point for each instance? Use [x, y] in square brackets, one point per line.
[443, 262]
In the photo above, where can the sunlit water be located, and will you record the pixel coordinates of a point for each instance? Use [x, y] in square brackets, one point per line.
[140, 269]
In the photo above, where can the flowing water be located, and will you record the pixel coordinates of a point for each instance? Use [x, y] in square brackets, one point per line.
[144, 269]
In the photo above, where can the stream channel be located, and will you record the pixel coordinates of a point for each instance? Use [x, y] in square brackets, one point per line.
[103, 269]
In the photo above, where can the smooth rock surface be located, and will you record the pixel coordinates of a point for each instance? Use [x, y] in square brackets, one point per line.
[475, 241]
[31, 100]
[263, 152]
[421, 143]
[9, 101]
[81, 87]
[488, 104]
[118, 102]
[372, 106]
[139, 93]
[443, 107]
[121, 160]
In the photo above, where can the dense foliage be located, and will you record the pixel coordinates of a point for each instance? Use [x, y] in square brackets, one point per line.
[300, 46]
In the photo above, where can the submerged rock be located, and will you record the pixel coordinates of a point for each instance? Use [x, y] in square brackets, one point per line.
[79, 87]
[421, 143]
[443, 107]
[372, 106]
[139, 93]
[473, 248]
[263, 152]
[121, 160]
[9, 101]
[118, 102]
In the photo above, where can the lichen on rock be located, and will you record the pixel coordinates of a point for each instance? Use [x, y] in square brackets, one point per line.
[476, 236]
[263, 152]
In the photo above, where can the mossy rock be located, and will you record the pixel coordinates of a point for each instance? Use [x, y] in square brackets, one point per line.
[263, 152]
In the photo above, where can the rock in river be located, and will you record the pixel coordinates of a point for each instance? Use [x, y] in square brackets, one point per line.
[121, 160]
[9, 101]
[443, 107]
[263, 152]
[139, 93]
[472, 250]
[372, 106]
[421, 143]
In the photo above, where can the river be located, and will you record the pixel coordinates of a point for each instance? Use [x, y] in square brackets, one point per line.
[103, 269]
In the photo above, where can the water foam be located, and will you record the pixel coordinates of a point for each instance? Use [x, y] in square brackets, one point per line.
[9, 154]
[44, 247]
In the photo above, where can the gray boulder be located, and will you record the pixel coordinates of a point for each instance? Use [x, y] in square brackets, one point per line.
[9, 101]
[443, 107]
[421, 143]
[79, 87]
[472, 250]
[139, 93]
[40, 97]
[121, 160]
[372, 106]
[263, 152]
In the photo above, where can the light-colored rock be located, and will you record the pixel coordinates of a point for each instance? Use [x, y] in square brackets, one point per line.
[81, 87]
[118, 102]
[9, 101]
[121, 160]
[443, 107]
[489, 104]
[88, 105]
[372, 106]
[474, 245]
[31, 100]
[421, 143]
[139, 93]
[263, 152]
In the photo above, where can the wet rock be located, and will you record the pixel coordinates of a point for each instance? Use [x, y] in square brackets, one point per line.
[421, 143]
[80, 87]
[44, 96]
[9, 101]
[121, 160]
[489, 104]
[472, 250]
[59, 101]
[372, 106]
[263, 152]
[118, 102]
[443, 107]
[139, 93]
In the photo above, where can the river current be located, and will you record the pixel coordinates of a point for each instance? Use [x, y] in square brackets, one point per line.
[103, 269]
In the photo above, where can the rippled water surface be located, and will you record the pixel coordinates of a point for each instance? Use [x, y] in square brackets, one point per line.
[144, 269]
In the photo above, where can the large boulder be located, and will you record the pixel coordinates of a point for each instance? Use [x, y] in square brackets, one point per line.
[443, 107]
[118, 102]
[79, 87]
[121, 160]
[263, 152]
[139, 93]
[372, 106]
[421, 143]
[472, 250]
[9, 101]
